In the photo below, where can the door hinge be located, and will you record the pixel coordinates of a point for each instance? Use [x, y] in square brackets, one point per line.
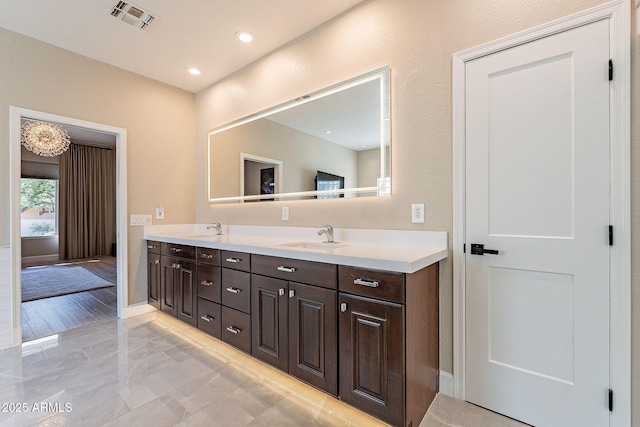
[611, 235]
[610, 400]
[610, 69]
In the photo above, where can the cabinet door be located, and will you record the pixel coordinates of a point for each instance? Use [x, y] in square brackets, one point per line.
[313, 354]
[186, 294]
[372, 356]
[269, 321]
[167, 284]
[153, 279]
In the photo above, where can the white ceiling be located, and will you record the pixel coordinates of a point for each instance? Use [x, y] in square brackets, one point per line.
[197, 33]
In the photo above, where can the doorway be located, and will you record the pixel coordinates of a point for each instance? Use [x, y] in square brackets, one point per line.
[16, 116]
[505, 352]
[67, 222]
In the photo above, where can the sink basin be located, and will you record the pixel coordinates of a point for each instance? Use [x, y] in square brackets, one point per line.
[199, 236]
[323, 246]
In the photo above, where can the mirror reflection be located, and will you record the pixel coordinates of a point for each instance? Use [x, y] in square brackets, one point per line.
[329, 144]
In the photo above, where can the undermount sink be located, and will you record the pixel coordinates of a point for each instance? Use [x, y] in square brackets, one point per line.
[324, 246]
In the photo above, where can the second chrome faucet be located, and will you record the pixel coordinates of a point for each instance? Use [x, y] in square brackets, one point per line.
[328, 232]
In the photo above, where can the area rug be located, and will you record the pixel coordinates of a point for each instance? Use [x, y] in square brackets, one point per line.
[56, 280]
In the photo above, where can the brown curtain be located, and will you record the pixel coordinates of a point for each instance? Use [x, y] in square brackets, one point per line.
[87, 197]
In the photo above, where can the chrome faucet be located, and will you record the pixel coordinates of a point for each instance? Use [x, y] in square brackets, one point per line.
[217, 227]
[327, 231]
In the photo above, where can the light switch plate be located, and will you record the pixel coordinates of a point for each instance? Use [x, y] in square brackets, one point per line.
[285, 213]
[140, 219]
[159, 212]
[417, 212]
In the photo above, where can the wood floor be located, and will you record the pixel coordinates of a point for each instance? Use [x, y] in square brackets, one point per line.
[49, 316]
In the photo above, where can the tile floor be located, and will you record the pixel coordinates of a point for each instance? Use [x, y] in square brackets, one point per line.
[152, 370]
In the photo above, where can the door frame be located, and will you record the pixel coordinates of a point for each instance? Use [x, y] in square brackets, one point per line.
[618, 12]
[15, 261]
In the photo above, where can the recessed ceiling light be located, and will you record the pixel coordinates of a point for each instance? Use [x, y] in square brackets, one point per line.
[245, 37]
[327, 132]
[193, 71]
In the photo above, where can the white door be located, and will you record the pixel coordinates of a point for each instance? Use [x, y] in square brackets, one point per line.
[537, 191]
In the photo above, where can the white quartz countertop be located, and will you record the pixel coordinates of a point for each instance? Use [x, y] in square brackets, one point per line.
[393, 250]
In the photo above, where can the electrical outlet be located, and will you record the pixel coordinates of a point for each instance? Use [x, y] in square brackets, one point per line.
[417, 212]
[160, 212]
[285, 213]
[140, 219]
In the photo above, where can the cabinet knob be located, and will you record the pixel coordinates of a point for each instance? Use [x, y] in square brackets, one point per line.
[281, 291]
[292, 293]
[175, 266]
[343, 307]
[156, 262]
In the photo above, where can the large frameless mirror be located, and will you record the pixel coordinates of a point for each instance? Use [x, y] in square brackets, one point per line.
[332, 143]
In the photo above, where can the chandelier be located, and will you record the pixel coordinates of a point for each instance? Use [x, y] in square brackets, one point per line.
[44, 139]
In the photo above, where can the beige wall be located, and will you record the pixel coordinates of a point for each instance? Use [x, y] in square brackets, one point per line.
[417, 39]
[159, 120]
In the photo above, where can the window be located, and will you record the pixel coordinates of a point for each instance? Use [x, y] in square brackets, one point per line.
[38, 207]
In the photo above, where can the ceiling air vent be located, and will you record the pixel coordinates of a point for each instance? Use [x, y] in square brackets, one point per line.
[133, 15]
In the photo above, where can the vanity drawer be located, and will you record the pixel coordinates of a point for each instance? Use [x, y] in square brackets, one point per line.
[182, 251]
[372, 283]
[153, 247]
[209, 282]
[236, 329]
[309, 272]
[235, 260]
[209, 317]
[236, 289]
[208, 256]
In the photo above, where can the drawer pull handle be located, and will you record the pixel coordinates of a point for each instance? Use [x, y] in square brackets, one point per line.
[206, 256]
[234, 330]
[175, 266]
[206, 283]
[156, 262]
[286, 269]
[234, 290]
[206, 318]
[234, 260]
[176, 250]
[366, 282]
[281, 291]
[343, 307]
[151, 247]
[292, 293]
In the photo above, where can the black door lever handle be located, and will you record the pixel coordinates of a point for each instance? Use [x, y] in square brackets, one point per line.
[478, 249]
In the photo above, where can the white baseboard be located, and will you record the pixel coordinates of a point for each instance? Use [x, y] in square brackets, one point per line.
[446, 383]
[137, 309]
[40, 258]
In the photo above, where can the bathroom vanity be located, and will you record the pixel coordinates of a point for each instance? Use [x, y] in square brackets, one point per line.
[357, 319]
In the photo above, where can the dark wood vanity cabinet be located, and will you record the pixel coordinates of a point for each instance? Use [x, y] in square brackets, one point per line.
[209, 292]
[235, 289]
[153, 273]
[177, 289]
[294, 325]
[388, 342]
[368, 337]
